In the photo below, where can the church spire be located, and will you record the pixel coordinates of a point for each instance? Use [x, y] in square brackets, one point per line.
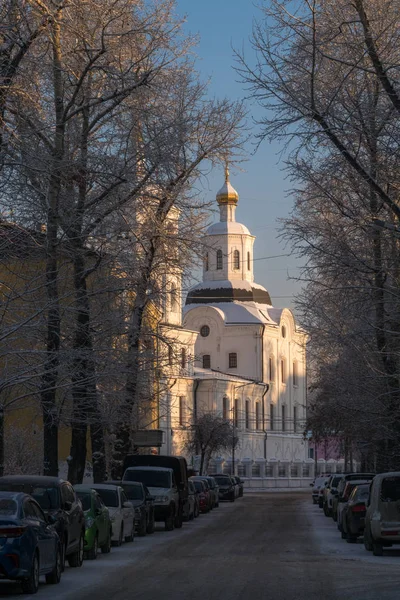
[227, 199]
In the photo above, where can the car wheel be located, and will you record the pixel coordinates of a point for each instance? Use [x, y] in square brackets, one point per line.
[343, 534]
[334, 516]
[142, 528]
[76, 559]
[351, 539]
[92, 553]
[55, 576]
[377, 549]
[31, 584]
[169, 521]
[232, 499]
[314, 501]
[131, 537]
[63, 544]
[367, 539]
[106, 548]
[179, 519]
[150, 527]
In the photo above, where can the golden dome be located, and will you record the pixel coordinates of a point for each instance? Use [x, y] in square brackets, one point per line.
[227, 194]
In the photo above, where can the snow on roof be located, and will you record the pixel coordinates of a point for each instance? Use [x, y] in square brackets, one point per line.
[246, 313]
[275, 314]
[224, 227]
[214, 374]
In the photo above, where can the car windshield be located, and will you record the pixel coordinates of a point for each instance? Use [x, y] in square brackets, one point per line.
[320, 481]
[335, 481]
[223, 480]
[46, 497]
[133, 492]
[85, 498]
[109, 497]
[390, 491]
[362, 492]
[161, 479]
[8, 507]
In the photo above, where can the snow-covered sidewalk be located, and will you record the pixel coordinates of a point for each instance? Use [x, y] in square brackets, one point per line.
[326, 534]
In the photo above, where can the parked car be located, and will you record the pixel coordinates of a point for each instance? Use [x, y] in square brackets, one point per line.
[353, 515]
[29, 543]
[226, 487]
[341, 485]
[208, 491]
[98, 532]
[382, 519]
[58, 500]
[318, 483]
[179, 467]
[213, 488]
[235, 486]
[202, 494]
[121, 511]
[161, 484]
[240, 484]
[344, 498]
[193, 502]
[330, 493]
[143, 503]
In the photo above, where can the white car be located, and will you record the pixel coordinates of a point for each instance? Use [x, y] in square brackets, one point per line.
[122, 512]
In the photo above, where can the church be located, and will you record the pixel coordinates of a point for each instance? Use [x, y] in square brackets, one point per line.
[240, 358]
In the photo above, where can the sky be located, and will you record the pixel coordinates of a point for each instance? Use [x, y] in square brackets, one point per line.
[260, 182]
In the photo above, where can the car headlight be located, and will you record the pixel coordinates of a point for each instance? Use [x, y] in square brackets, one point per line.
[89, 522]
[161, 499]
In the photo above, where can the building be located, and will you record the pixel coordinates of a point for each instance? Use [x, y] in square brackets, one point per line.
[245, 360]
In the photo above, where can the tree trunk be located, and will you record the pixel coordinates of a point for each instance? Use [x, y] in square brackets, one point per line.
[1, 442]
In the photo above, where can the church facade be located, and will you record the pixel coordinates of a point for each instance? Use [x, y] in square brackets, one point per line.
[241, 358]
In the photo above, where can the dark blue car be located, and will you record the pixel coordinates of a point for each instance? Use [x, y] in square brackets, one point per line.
[29, 544]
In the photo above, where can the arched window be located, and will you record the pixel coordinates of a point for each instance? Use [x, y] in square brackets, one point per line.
[248, 261]
[283, 371]
[295, 373]
[174, 300]
[283, 417]
[170, 356]
[236, 259]
[258, 415]
[283, 331]
[206, 262]
[182, 415]
[271, 368]
[183, 358]
[271, 417]
[247, 414]
[236, 413]
[206, 361]
[225, 408]
[295, 419]
[219, 260]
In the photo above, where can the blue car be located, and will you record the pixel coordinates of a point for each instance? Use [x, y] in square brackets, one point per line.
[29, 544]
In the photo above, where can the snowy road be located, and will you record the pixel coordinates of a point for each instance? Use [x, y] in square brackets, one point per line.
[266, 546]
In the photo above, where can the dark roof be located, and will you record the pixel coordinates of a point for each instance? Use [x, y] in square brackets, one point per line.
[206, 295]
[32, 480]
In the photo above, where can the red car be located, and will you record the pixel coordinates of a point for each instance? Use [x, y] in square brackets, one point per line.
[202, 494]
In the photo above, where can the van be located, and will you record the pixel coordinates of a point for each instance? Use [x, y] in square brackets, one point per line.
[382, 520]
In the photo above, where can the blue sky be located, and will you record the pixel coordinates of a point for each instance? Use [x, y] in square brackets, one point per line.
[262, 186]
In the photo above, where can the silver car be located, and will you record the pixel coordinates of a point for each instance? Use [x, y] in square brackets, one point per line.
[382, 520]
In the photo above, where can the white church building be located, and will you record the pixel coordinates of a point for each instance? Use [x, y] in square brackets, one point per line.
[240, 358]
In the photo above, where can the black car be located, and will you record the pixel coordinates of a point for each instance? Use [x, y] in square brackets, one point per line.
[240, 484]
[353, 518]
[143, 501]
[57, 498]
[226, 487]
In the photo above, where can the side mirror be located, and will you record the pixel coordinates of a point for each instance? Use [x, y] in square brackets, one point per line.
[51, 519]
[67, 505]
[127, 505]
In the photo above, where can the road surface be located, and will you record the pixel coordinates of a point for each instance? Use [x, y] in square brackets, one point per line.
[266, 546]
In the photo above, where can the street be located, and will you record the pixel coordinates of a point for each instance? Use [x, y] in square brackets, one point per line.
[266, 545]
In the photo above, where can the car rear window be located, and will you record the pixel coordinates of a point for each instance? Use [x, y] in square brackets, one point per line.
[390, 490]
[8, 507]
[46, 497]
[223, 480]
[150, 478]
[133, 492]
[85, 498]
[199, 486]
[109, 497]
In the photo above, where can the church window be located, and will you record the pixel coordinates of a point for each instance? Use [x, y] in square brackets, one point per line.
[248, 261]
[182, 414]
[283, 371]
[225, 408]
[219, 260]
[271, 368]
[295, 419]
[247, 414]
[272, 417]
[258, 415]
[283, 331]
[295, 373]
[206, 361]
[170, 356]
[183, 358]
[236, 413]
[236, 259]
[174, 300]
[205, 331]
[232, 360]
[206, 265]
[283, 417]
